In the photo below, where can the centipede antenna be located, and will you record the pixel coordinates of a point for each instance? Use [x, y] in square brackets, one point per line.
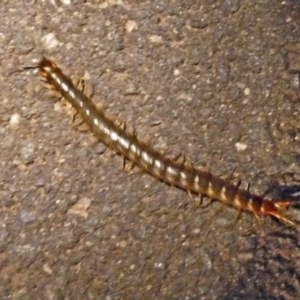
[30, 67]
[34, 67]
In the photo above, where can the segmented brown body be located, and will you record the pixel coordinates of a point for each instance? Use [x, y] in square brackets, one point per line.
[181, 175]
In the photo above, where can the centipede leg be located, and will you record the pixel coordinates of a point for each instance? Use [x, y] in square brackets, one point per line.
[201, 203]
[180, 158]
[248, 187]
[191, 196]
[87, 88]
[238, 216]
[260, 229]
[100, 107]
[188, 162]
[78, 123]
[198, 200]
[51, 89]
[127, 167]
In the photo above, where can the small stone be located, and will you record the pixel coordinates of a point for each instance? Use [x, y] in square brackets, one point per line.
[120, 63]
[234, 92]
[4, 238]
[176, 72]
[122, 244]
[155, 39]
[14, 120]
[50, 41]
[160, 265]
[230, 6]
[80, 207]
[247, 91]
[27, 151]
[131, 25]
[100, 148]
[245, 256]
[27, 216]
[198, 21]
[47, 269]
[295, 81]
[240, 146]
[293, 60]
[159, 5]
[40, 182]
[223, 73]
[196, 231]
[207, 95]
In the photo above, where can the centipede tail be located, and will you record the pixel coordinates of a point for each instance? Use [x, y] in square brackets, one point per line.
[273, 208]
[180, 174]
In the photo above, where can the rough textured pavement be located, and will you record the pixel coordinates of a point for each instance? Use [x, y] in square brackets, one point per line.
[216, 80]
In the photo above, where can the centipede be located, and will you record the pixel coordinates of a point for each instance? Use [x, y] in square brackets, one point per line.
[183, 175]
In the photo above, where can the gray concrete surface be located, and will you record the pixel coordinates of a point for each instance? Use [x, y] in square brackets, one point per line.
[216, 80]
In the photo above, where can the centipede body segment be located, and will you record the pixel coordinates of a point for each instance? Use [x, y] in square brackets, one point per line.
[174, 173]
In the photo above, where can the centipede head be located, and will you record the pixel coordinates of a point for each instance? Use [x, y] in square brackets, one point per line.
[46, 66]
[275, 208]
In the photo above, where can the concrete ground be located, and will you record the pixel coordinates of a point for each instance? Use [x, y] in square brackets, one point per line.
[216, 80]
